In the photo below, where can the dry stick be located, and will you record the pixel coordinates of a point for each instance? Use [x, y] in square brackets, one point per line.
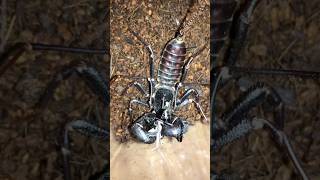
[313, 16]
[289, 47]
[12, 22]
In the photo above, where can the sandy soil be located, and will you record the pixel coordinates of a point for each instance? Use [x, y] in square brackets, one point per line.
[189, 159]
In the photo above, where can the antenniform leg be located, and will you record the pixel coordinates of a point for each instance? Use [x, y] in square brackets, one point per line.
[151, 53]
[12, 55]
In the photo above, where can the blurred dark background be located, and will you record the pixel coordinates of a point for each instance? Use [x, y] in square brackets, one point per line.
[30, 140]
[282, 35]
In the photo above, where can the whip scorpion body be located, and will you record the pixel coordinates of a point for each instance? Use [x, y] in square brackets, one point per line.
[162, 95]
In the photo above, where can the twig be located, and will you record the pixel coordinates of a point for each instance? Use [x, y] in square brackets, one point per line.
[287, 50]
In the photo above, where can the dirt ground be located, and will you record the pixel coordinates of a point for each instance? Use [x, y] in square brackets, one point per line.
[283, 34]
[156, 22]
[157, 26]
[29, 140]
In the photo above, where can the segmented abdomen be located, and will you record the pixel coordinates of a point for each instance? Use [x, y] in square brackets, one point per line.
[223, 11]
[171, 62]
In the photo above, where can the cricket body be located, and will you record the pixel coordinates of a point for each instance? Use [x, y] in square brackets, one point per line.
[163, 94]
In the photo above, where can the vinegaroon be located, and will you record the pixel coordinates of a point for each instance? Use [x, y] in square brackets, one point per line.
[162, 97]
[97, 83]
[230, 22]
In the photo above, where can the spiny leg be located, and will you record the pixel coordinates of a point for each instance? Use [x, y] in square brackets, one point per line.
[237, 124]
[185, 100]
[98, 86]
[84, 128]
[234, 123]
[252, 98]
[283, 140]
[246, 125]
[94, 80]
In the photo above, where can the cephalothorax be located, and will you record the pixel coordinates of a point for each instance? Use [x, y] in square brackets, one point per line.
[162, 96]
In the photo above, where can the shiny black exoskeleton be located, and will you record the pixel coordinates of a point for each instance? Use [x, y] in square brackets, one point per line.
[163, 98]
